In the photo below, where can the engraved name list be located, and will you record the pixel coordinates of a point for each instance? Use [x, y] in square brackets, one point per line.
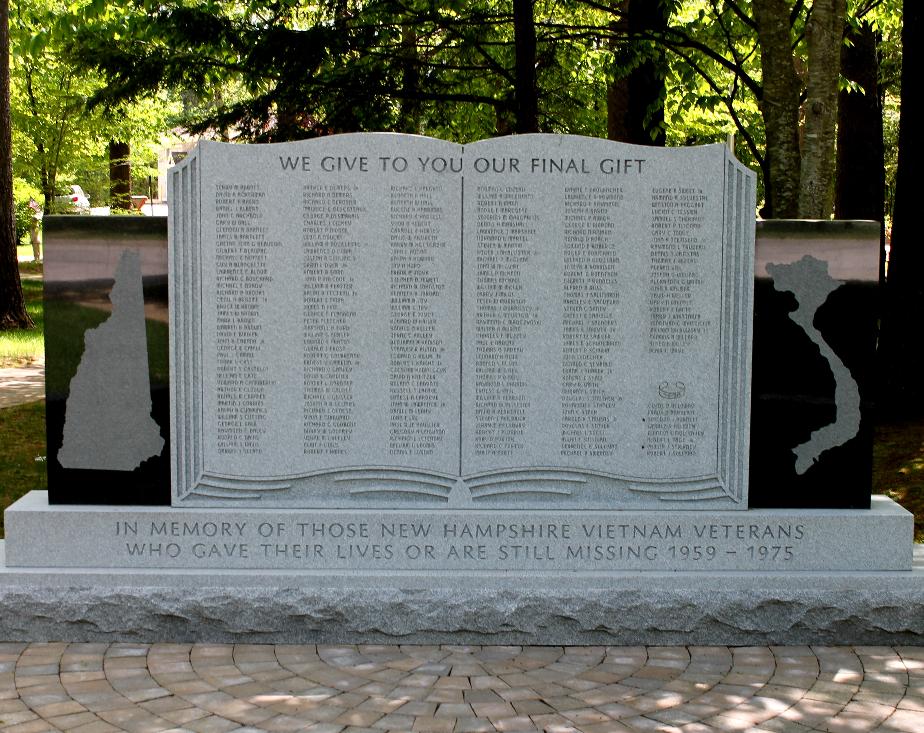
[392, 320]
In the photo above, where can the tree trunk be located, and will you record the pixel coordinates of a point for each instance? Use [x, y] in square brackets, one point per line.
[901, 324]
[46, 184]
[12, 305]
[617, 110]
[120, 176]
[409, 114]
[617, 90]
[525, 91]
[859, 191]
[779, 107]
[824, 34]
[635, 101]
[860, 182]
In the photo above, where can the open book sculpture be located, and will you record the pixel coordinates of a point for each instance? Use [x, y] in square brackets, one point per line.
[390, 320]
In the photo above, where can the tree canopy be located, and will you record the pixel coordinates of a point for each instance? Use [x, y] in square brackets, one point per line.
[766, 70]
[56, 134]
[773, 75]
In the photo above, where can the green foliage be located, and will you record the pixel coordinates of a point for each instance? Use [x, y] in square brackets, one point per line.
[23, 193]
[890, 119]
[886, 18]
[57, 139]
[714, 83]
[290, 70]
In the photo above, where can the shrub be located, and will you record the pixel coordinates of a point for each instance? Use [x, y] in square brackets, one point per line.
[22, 192]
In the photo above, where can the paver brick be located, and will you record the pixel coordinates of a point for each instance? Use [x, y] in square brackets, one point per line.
[212, 688]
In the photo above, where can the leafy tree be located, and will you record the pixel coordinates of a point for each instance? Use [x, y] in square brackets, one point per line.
[714, 81]
[867, 113]
[460, 70]
[56, 134]
[47, 96]
[749, 51]
[779, 99]
[120, 175]
[765, 69]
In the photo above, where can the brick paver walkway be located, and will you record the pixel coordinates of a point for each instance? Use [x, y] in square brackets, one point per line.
[356, 689]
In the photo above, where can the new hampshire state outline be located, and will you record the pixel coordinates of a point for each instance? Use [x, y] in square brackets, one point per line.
[108, 423]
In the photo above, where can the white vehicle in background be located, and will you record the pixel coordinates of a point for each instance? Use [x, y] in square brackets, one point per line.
[73, 200]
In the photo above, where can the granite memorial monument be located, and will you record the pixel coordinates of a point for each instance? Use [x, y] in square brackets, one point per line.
[520, 366]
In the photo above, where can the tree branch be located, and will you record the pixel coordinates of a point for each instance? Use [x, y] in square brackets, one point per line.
[728, 99]
[743, 16]
[686, 42]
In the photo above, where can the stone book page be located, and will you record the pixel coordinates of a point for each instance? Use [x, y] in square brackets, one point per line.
[593, 322]
[328, 298]
[592, 327]
[391, 320]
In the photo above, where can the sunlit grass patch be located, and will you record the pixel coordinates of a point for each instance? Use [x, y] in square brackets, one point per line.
[21, 346]
[25, 250]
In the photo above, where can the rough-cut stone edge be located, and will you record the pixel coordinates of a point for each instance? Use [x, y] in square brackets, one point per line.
[802, 608]
[296, 615]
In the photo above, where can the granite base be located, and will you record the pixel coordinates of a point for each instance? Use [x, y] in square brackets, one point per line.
[844, 596]
[658, 608]
[437, 542]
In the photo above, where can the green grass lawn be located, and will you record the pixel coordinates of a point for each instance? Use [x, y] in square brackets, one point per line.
[24, 345]
[25, 250]
[22, 452]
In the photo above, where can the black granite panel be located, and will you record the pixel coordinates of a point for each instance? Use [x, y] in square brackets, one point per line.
[81, 256]
[793, 386]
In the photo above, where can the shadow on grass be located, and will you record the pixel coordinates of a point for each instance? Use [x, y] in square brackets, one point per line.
[898, 467]
[23, 441]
